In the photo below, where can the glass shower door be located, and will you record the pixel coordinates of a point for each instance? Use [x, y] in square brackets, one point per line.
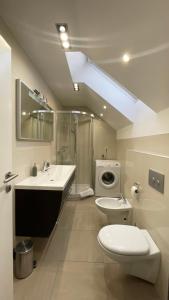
[65, 139]
[84, 151]
[74, 144]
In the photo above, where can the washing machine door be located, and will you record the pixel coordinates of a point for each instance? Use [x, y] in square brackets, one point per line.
[108, 179]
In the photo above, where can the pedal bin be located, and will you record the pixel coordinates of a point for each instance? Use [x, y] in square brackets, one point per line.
[24, 259]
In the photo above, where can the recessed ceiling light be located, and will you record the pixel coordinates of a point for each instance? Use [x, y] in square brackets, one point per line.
[64, 36]
[24, 113]
[66, 45]
[104, 106]
[92, 115]
[126, 58]
[76, 87]
[62, 27]
[101, 115]
[84, 113]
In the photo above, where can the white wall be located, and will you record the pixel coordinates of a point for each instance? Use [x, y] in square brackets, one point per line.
[146, 123]
[26, 153]
[140, 147]
[151, 210]
[104, 137]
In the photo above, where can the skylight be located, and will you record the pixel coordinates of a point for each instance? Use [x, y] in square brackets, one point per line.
[85, 71]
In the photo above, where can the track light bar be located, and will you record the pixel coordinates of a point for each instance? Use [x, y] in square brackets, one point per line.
[62, 29]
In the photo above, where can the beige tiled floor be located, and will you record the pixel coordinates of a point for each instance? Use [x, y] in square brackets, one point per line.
[71, 266]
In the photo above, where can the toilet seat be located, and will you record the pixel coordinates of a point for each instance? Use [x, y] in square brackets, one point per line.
[124, 240]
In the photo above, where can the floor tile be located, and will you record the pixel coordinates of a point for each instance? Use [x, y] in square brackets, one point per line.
[108, 260]
[124, 287]
[38, 286]
[80, 281]
[82, 215]
[86, 203]
[57, 249]
[72, 266]
[39, 247]
[70, 203]
[66, 218]
[83, 246]
[77, 245]
[90, 219]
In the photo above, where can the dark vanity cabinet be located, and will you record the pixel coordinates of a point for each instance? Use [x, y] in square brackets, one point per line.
[36, 211]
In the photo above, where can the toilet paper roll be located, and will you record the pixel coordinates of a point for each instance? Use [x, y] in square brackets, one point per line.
[134, 192]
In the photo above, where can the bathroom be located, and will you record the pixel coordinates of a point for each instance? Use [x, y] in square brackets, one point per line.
[126, 59]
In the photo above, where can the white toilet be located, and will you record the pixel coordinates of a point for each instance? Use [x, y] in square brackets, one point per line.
[133, 248]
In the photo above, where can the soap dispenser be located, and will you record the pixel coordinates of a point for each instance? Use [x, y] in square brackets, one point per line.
[34, 170]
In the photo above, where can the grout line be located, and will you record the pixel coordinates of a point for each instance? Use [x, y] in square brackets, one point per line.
[68, 230]
[76, 261]
[81, 229]
[148, 153]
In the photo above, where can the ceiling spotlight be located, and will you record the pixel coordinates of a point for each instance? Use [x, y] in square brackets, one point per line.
[104, 106]
[76, 87]
[92, 115]
[101, 115]
[62, 27]
[66, 45]
[64, 36]
[126, 58]
[84, 113]
[24, 113]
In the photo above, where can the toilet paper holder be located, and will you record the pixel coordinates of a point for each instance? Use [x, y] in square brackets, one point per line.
[135, 191]
[138, 186]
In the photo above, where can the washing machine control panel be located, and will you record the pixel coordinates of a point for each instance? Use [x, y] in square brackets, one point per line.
[107, 163]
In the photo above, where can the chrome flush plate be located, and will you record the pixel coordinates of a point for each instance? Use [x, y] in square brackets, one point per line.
[156, 180]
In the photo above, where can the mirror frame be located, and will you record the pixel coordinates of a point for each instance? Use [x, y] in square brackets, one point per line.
[19, 137]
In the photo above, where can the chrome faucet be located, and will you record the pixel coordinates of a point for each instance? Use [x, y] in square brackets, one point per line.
[122, 198]
[46, 166]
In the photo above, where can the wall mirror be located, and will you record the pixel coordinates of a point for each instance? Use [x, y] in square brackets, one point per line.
[34, 118]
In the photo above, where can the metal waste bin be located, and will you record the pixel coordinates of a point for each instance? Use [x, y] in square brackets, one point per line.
[24, 259]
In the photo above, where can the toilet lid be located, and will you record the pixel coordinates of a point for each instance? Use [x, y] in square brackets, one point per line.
[124, 240]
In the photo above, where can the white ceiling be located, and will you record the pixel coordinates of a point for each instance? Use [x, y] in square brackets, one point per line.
[103, 30]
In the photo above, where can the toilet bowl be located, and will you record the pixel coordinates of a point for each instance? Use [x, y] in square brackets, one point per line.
[133, 248]
[117, 209]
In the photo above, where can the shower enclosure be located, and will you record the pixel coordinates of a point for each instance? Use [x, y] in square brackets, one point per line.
[74, 145]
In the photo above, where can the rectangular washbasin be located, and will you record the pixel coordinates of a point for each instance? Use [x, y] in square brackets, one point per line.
[55, 178]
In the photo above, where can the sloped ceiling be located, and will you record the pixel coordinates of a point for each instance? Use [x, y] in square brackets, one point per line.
[83, 70]
[103, 30]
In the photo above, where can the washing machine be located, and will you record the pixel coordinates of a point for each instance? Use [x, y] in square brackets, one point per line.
[107, 178]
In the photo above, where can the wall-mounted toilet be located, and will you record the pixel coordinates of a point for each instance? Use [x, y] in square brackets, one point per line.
[133, 248]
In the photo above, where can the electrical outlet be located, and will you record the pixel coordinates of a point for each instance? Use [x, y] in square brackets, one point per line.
[156, 181]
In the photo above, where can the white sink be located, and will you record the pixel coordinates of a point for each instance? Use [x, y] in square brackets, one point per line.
[55, 178]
